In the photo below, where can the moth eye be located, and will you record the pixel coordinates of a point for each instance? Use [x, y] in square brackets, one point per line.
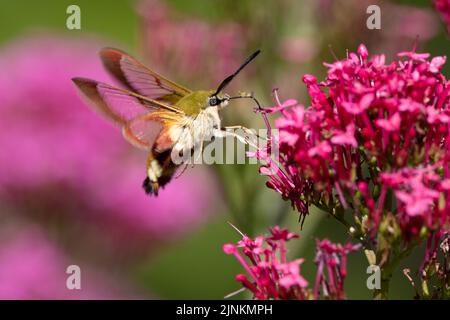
[213, 101]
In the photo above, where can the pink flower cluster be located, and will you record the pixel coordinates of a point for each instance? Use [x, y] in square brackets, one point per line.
[418, 191]
[372, 127]
[271, 276]
[332, 258]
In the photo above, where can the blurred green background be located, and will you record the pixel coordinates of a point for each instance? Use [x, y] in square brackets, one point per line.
[194, 266]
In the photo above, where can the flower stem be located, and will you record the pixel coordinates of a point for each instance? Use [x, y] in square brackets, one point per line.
[383, 292]
[387, 271]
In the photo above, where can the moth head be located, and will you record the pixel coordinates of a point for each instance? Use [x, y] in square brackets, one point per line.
[218, 100]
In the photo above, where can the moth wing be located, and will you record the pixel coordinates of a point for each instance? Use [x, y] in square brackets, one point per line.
[116, 104]
[159, 130]
[138, 116]
[137, 77]
[142, 133]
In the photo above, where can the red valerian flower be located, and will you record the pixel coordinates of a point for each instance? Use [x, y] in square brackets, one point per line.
[331, 268]
[271, 276]
[374, 130]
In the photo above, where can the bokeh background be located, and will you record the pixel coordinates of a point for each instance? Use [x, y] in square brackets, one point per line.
[70, 186]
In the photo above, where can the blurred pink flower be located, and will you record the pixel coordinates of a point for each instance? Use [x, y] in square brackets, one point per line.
[443, 7]
[298, 50]
[60, 159]
[401, 24]
[189, 47]
[409, 22]
[31, 267]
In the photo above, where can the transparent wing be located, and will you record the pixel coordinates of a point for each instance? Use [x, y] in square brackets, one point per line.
[118, 104]
[139, 117]
[137, 77]
[142, 132]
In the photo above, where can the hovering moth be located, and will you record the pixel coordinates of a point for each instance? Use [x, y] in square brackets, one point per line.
[157, 114]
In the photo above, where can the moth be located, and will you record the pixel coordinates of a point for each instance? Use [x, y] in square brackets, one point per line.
[156, 114]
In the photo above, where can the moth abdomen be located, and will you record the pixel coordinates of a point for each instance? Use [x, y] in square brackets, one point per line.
[147, 185]
[160, 170]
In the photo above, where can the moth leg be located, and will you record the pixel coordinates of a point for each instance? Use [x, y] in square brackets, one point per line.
[224, 134]
[202, 143]
[245, 129]
[197, 149]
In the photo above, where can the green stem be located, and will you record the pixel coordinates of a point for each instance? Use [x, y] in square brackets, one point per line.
[387, 270]
[383, 292]
[348, 227]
